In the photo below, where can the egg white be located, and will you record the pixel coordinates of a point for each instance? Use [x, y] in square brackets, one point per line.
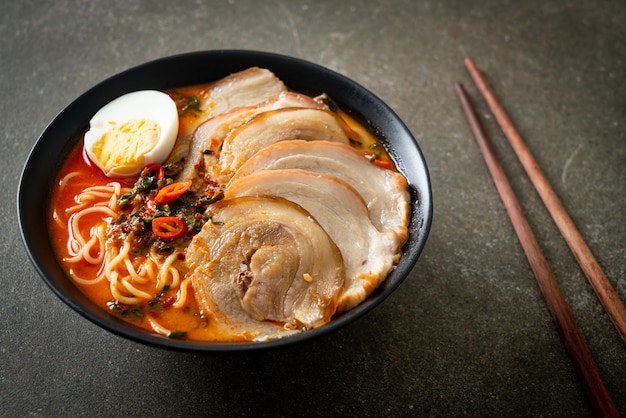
[132, 131]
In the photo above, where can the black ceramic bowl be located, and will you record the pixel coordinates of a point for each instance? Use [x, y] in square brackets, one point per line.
[65, 131]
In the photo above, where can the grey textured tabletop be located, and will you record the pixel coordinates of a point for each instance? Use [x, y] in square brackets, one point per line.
[468, 333]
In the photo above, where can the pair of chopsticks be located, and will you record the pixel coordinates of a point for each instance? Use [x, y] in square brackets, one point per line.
[579, 353]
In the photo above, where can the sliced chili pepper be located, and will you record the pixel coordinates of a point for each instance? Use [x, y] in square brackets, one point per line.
[158, 168]
[172, 192]
[388, 164]
[370, 156]
[168, 227]
[168, 301]
[382, 163]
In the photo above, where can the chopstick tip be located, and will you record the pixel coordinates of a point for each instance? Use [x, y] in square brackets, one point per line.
[469, 63]
[459, 88]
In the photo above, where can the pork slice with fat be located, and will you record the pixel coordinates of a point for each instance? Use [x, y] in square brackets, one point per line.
[384, 191]
[265, 268]
[206, 142]
[275, 126]
[368, 255]
[244, 88]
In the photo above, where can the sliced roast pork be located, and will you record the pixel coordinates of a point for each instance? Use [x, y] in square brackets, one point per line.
[367, 253]
[274, 126]
[265, 268]
[308, 226]
[385, 191]
[206, 142]
[244, 88]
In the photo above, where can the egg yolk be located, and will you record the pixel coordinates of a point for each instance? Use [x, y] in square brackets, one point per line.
[121, 150]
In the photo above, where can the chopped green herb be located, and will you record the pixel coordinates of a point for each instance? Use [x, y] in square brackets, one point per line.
[332, 106]
[375, 149]
[142, 184]
[206, 200]
[172, 169]
[121, 309]
[216, 222]
[188, 104]
[177, 334]
[194, 222]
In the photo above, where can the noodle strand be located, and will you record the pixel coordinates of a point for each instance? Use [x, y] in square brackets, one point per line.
[132, 280]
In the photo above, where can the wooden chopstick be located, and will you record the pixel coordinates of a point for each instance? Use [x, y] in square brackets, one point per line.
[573, 340]
[600, 284]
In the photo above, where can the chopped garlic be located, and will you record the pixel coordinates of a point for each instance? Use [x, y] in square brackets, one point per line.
[307, 277]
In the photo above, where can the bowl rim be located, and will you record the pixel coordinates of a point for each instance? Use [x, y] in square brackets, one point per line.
[71, 122]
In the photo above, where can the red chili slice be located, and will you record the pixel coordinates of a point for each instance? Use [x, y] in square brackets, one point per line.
[168, 227]
[168, 301]
[388, 164]
[172, 192]
[158, 168]
[383, 163]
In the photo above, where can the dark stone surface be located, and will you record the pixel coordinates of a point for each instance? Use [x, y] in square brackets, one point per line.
[468, 333]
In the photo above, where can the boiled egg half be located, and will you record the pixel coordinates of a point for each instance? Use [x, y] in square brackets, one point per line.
[132, 131]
